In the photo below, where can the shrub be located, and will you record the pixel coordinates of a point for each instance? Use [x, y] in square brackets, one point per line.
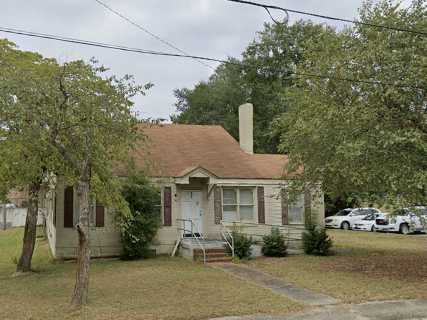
[274, 244]
[242, 245]
[316, 241]
[140, 225]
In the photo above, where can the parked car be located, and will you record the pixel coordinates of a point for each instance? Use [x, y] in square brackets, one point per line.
[404, 220]
[8, 205]
[368, 223]
[346, 218]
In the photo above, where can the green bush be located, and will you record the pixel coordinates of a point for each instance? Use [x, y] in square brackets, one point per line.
[274, 244]
[242, 245]
[316, 241]
[139, 227]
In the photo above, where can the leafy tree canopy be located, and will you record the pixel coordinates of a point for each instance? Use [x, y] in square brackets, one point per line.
[25, 153]
[363, 137]
[260, 78]
[68, 120]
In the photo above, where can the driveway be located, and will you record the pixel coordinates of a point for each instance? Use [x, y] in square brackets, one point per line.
[384, 310]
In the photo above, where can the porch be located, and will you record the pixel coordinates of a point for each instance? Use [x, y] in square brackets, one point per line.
[194, 246]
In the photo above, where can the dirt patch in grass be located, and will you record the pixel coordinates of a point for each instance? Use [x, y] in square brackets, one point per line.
[368, 266]
[161, 288]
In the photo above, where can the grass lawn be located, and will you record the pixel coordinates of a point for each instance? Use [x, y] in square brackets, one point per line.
[161, 288]
[367, 266]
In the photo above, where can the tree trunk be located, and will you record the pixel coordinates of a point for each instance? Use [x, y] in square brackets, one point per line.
[81, 288]
[29, 240]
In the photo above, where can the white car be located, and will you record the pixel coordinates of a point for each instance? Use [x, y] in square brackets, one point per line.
[405, 221]
[368, 223]
[346, 218]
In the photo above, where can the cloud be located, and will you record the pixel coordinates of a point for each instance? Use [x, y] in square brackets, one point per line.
[214, 28]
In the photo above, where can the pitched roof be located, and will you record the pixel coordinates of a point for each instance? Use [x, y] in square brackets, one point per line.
[174, 150]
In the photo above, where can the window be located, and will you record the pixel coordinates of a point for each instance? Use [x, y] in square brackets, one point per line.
[246, 204]
[296, 210]
[370, 217]
[229, 207]
[238, 204]
[344, 212]
[363, 212]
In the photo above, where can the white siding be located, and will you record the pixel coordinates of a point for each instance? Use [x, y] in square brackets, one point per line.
[106, 241]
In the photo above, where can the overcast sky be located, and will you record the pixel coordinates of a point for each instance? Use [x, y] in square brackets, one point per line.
[214, 28]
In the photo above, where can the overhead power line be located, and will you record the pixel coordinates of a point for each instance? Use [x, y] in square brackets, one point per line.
[378, 26]
[168, 54]
[169, 44]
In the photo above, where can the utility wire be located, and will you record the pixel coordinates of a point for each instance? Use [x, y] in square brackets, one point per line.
[121, 15]
[378, 26]
[160, 53]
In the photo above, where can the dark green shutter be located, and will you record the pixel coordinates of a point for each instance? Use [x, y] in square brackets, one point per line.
[99, 215]
[285, 208]
[167, 206]
[307, 207]
[69, 207]
[218, 205]
[261, 205]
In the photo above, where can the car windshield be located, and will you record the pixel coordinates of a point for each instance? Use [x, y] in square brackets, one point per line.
[370, 216]
[418, 211]
[344, 212]
[400, 212]
[422, 211]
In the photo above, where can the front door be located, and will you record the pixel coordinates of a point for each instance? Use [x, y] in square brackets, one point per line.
[191, 208]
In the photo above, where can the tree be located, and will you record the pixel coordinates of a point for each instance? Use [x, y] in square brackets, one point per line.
[215, 102]
[65, 120]
[363, 137]
[92, 127]
[265, 71]
[25, 155]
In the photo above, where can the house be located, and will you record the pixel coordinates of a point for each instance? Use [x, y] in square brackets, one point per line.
[209, 183]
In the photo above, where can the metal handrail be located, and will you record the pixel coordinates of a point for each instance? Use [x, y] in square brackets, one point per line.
[224, 230]
[284, 229]
[194, 236]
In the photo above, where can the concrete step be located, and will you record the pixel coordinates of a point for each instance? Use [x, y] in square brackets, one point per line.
[211, 254]
[208, 251]
[210, 259]
[224, 259]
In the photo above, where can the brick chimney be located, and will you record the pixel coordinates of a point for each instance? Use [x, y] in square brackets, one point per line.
[246, 127]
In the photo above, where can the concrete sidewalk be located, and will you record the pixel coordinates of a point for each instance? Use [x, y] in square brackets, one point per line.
[378, 310]
[326, 307]
[277, 285]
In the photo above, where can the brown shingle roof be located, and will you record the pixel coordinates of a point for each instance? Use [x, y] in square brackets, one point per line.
[174, 150]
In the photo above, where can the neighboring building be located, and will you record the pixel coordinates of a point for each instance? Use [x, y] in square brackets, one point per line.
[14, 213]
[206, 177]
[18, 197]
[13, 217]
